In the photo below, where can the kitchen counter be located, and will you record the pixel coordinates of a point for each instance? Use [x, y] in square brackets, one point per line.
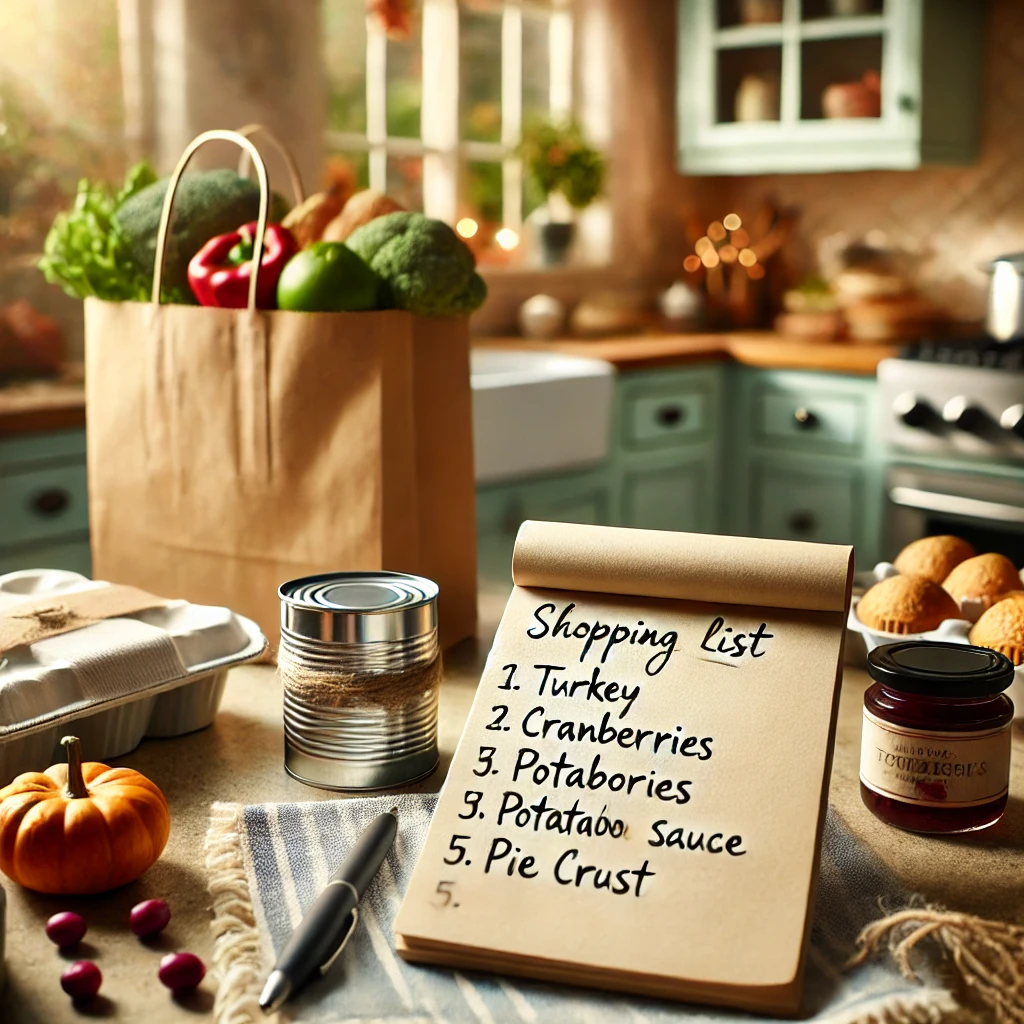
[42, 405]
[764, 349]
[239, 759]
[60, 405]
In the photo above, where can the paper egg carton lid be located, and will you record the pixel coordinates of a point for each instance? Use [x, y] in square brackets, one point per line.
[112, 662]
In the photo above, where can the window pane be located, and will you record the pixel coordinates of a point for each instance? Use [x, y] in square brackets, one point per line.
[405, 76]
[344, 26]
[748, 84]
[347, 171]
[536, 68]
[482, 194]
[405, 181]
[480, 75]
[61, 119]
[840, 77]
[481, 220]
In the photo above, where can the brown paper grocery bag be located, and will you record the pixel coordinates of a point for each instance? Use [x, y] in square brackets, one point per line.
[231, 450]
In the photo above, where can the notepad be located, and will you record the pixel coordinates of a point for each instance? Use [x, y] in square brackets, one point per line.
[637, 799]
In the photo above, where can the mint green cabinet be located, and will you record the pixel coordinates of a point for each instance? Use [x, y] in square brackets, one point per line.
[667, 435]
[804, 458]
[757, 96]
[44, 511]
[805, 502]
[660, 473]
[676, 497]
[580, 497]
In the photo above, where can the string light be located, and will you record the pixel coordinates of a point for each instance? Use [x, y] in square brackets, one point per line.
[507, 239]
[467, 227]
[725, 243]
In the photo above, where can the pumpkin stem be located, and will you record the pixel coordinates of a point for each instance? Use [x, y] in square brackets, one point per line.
[76, 784]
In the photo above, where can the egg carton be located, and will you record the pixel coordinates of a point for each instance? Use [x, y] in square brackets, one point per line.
[159, 672]
[955, 631]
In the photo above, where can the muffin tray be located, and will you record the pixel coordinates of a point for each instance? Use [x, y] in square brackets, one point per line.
[949, 630]
[158, 672]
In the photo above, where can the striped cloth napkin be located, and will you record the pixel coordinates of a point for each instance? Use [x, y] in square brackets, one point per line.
[267, 862]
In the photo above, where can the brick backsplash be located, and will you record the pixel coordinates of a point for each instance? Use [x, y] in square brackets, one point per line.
[959, 217]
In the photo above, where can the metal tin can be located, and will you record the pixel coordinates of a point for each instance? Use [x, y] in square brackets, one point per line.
[360, 667]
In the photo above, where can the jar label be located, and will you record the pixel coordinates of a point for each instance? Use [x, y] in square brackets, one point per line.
[934, 768]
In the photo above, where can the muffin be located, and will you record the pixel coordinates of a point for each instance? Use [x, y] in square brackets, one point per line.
[1002, 627]
[906, 604]
[933, 557]
[983, 580]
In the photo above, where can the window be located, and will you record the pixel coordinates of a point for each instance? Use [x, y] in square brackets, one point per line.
[434, 119]
[61, 119]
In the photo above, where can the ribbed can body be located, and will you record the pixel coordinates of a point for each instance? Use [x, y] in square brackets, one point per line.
[360, 696]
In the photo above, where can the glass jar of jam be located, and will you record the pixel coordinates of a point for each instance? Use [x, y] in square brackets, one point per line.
[935, 745]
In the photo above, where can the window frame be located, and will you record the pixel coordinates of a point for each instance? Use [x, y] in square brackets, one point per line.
[439, 145]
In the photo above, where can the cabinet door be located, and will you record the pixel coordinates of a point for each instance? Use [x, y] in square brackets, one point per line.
[673, 498]
[71, 554]
[501, 511]
[790, 86]
[794, 503]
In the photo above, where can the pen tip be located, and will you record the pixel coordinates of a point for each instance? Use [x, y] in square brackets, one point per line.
[275, 992]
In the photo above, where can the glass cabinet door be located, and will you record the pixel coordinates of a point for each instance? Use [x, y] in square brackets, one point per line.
[804, 85]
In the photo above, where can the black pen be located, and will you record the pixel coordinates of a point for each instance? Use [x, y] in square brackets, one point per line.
[323, 932]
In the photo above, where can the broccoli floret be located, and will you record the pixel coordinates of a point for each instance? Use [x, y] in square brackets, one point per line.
[427, 268]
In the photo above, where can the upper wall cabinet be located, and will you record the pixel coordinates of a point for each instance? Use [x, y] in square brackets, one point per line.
[770, 86]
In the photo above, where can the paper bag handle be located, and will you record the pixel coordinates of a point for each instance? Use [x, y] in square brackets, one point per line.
[214, 135]
[294, 177]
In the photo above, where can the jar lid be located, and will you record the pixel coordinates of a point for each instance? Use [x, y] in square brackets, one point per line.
[358, 607]
[938, 669]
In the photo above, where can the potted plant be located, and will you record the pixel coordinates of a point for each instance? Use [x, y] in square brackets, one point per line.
[568, 172]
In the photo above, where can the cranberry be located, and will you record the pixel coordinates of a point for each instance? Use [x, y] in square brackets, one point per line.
[181, 972]
[81, 980]
[66, 929]
[149, 917]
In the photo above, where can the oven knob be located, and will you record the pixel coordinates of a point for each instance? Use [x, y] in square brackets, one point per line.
[960, 412]
[1013, 419]
[913, 411]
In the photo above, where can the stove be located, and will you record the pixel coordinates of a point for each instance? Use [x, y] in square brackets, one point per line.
[955, 397]
[952, 419]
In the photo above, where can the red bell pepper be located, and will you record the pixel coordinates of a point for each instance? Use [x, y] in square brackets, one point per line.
[219, 273]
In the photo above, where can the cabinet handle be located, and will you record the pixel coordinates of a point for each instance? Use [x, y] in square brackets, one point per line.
[802, 522]
[670, 415]
[805, 419]
[51, 502]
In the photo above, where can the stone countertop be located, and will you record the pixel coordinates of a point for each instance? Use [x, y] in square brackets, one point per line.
[42, 405]
[239, 759]
[60, 405]
[764, 349]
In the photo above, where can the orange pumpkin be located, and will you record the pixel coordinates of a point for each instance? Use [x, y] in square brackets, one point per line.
[80, 828]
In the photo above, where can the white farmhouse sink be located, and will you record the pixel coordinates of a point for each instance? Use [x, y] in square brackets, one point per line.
[538, 412]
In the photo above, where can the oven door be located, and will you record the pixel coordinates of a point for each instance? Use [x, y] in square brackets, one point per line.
[987, 511]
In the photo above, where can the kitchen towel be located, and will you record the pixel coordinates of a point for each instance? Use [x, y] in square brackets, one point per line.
[267, 862]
